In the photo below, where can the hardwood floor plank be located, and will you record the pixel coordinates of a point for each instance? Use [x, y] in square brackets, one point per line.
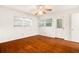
[39, 44]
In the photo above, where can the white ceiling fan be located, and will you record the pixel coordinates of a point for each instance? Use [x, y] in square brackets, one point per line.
[42, 10]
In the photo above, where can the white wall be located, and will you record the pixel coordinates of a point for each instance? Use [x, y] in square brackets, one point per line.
[48, 31]
[75, 27]
[66, 16]
[8, 32]
[62, 33]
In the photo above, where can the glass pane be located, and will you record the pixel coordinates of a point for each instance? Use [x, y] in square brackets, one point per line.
[46, 23]
[18, 23]
[59, 23]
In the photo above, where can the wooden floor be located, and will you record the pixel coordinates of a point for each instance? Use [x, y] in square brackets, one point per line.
[39, 44]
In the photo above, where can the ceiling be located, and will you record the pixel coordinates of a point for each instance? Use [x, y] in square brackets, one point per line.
[30, 8]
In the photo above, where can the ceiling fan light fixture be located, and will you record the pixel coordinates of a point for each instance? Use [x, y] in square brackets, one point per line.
[40, 13]
[43, 9]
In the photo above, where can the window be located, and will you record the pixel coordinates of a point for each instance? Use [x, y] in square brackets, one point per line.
[27, 22]
[46, 23]
[22, 22]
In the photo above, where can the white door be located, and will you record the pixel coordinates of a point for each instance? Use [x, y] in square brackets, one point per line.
[59, 28]
[75, 27]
